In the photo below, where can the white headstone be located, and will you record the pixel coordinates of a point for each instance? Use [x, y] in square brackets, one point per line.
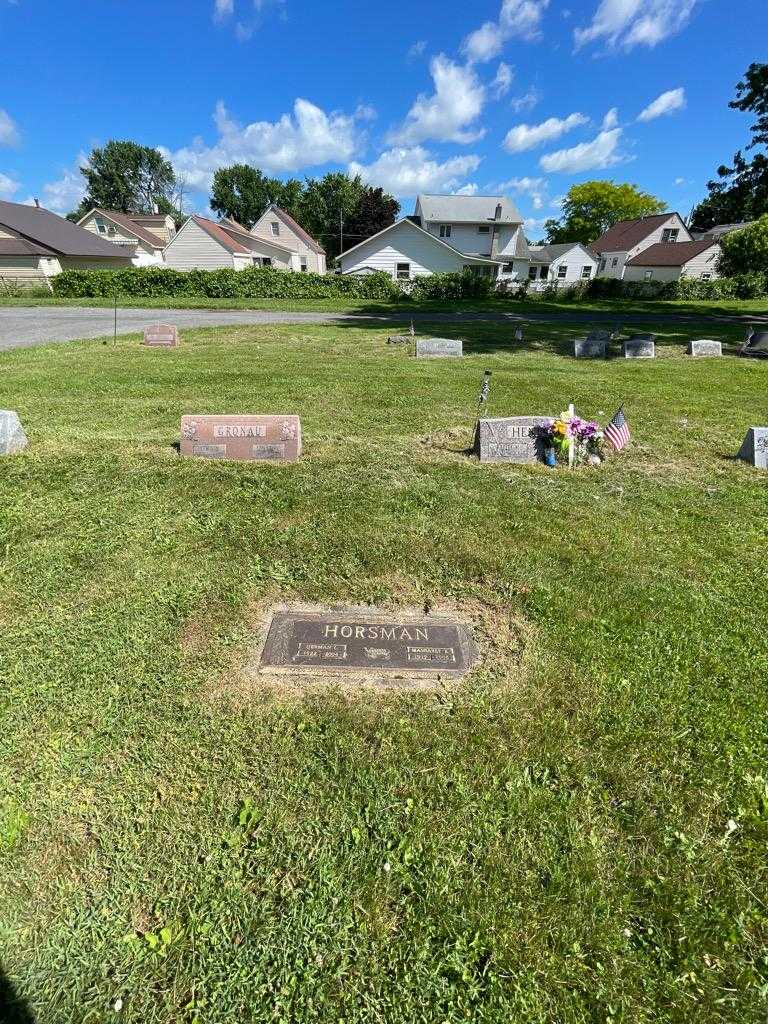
[705, 347]
[12, 436]
[640, 346]
[754, 450]
[443, 347]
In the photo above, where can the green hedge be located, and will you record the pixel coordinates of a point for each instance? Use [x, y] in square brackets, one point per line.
[252, 283]
[743, 286]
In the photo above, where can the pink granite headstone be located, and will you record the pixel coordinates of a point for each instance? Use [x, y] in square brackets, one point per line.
[247, 438]
[161, 336]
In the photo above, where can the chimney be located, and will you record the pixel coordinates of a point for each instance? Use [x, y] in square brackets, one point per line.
[37, 202]
[155, 208]
[495, 234]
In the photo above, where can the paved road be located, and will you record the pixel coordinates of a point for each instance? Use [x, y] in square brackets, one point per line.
[23, 327]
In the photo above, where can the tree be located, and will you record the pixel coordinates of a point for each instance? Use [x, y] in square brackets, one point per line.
[243, 193]
[127, 177]
[591, 208]
[745, 251]
[375, 211]
[327, 204]
[742, 190]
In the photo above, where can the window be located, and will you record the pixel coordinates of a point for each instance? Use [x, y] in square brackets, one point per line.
[586, 272]
[615, 261]
[266, 261]
[602, 265]
[562, 272]
[445, 230]
[275, 225]
[508, 268]
[648, 275]
[706, 277]
[531, 273]
[403, 272]
[543, 273]
[303, 264]
[483, 229]
[101, 225]
[670, 234]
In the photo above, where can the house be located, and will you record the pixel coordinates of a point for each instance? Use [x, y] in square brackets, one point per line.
[202, 244]
[447, 233]
[717, 232]
[563, 265]
[36, 244]
[627, 238]
[668, 261]
[132, 232]
[275, 225]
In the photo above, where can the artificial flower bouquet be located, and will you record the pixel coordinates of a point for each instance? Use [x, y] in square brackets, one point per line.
[571, 431]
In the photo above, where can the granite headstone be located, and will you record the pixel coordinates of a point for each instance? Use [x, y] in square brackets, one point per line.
[12, 436]
[246, 438]
[442, 347]
[161, 336]
[705, 347]
[754, 450]
[510, 439]
[594, 346]
[756, 346]
[640, 346]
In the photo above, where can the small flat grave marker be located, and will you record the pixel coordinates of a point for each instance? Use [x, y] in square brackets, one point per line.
[510, 439]
[754, 450]
[445, 348]
[364, 643]
[161, 336]
[12, 436]
[594, 346]
[640, 346]
[247, 438]
[705, 347]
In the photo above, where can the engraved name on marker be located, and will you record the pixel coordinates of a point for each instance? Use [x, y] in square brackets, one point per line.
[278, 438]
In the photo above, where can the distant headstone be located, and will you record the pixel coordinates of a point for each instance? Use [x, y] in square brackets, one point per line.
[705, 347]
[510, 439]
[161, 336]
[754, 450]
[247, 438]
[12, 436]
[756, 346]
[640, 346]
[365, 642]
[443, 347]
[594, 346]
[518, 334]
[399, 339]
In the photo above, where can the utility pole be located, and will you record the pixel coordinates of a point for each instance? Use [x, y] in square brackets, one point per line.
[341, 230]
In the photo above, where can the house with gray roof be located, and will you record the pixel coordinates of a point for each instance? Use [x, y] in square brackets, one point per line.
[36, 244]
[564, 265]
[447, 233]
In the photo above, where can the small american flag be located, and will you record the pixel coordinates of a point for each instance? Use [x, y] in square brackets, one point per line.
[485, 388]
[617, 431]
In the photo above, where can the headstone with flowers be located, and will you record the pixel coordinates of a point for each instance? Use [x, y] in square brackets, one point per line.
[571, 439]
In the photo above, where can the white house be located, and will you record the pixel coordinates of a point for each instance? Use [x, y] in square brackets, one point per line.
[563, 265]
[275, 225]
[628, 238]
[202, 244]
[447, 233]
[668, 261]
[131, 232]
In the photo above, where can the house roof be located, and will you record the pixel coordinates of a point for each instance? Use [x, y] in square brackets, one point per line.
[217, 232]
[550, 253]
[249, 240]
[128, 223]
[670, 254]
[55, 233]
[295, 227]
[467, 209]
[626, 234]
[158, 218]
[718, 230]
[434, 238]
[231, 222]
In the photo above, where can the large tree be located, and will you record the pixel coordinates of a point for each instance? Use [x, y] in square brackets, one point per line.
[375, 211]
[741, 193]
[327, 204]
[127, 177]
[591, 208]
[243, 193]
[746, 250]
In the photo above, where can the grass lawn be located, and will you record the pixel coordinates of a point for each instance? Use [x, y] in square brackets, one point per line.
[576, 833]
[614, 307]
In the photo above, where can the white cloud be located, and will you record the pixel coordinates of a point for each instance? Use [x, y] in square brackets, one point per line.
[527, 101]
[527, 136]
[65, 194]
[223, 9]
[517, 18]
[8, 186]
[534, 188]
[9, 133]
[457, 102]
[406, 171]
[680, 181]
[503, 80]
[470, 189]
[630, 23]
[667, 103]
[599, 153]
[611, 119]
[417, 50]
[306, 137]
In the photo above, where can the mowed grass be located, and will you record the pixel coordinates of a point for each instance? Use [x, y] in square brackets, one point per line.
[576, 833]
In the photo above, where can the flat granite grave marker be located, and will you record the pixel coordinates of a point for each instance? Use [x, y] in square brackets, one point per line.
[705, 347]
[12, 436]
[640, 346]
[161, 336]
[442, 347]
[247, 438]
[754, 450]
[367, 643]
[510, 439]
[594, 346]
[756, 345]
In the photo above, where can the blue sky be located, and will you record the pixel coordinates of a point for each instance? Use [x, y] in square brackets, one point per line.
[523, 96]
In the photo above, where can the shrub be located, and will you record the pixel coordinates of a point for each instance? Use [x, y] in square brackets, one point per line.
[464, 285]
[745, 252]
